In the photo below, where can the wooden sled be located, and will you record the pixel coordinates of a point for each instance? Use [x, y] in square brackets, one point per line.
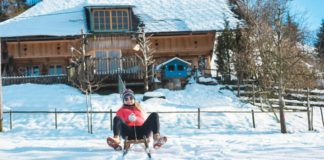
[128, 143]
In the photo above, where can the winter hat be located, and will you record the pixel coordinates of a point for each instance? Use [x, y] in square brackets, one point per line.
[127, 93]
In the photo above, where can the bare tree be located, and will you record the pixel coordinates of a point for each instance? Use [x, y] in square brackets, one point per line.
[84, 78]
[146, 57]
[85, 81]
[276, 45]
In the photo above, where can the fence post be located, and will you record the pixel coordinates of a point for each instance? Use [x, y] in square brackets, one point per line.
[322, 116]
[253, 118]
[111, 127]
[310, 128]
[253, 92]
[196, 75]
[312, 118]
[198, 118]
[55, 119]
[91, 120]
[10, 119]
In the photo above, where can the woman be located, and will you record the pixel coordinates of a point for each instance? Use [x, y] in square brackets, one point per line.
[131, 121]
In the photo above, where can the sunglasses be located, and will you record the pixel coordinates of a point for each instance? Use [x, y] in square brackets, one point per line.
[128, 99]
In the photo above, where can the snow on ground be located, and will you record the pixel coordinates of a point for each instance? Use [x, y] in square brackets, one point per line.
[209, 79]
[222, 135]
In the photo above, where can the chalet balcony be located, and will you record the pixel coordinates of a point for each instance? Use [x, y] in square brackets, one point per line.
[107, 70]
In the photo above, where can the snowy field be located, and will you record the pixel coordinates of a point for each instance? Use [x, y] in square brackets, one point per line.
[222, 135]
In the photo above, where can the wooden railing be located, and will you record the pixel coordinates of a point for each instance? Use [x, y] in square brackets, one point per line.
[294, 100]
[116, 65]
[130, 69]
[107, 70]
[43, 79]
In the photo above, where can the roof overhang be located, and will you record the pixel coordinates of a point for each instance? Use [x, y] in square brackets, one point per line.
[109, 6]
[39, 38]
[175, 58]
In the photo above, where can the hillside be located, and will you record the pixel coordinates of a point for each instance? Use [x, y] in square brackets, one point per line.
[221, 135]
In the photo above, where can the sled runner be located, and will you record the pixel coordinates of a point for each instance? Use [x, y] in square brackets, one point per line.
[128, 143]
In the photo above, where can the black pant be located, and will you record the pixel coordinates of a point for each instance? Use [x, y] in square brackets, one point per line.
[151, 124]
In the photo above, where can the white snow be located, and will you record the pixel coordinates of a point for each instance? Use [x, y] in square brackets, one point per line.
[153, 94]
[222, 135]
[67, 17]
[208, 79]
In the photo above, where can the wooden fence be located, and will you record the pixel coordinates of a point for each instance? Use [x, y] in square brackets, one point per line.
[294, 100]
[198, 112]
[43, 79]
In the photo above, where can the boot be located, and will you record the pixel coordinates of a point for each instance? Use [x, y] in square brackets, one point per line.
[159, 141]
[114, 143]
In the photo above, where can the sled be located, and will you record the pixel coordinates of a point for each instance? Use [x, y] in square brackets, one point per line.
[128, 143]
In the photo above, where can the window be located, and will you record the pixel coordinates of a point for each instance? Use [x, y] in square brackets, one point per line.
[171, 67]
[114, 54]
[114, 61]
[110, 19]
[52, 70]
[180, 68]
[55, 70]
[101, 62]
[35, 71]
[29, 71]
[108, 61]
[58, 70]
[32, 71]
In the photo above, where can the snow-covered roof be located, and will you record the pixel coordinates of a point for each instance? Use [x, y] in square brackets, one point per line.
[176, 58]
[67, 17]
[170, 60]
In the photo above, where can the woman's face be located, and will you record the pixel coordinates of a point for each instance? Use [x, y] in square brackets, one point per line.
[129, 100]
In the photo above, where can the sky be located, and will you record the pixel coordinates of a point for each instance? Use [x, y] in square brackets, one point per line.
[312, 10]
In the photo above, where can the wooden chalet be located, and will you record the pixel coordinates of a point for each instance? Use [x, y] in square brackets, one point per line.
[39, 41]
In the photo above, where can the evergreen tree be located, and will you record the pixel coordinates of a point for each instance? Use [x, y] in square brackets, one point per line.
[12, 8]
[320, 41]
[224, 50]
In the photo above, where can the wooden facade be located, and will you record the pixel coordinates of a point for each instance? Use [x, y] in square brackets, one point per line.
[45, 57]
[192, 48]
[112, 35]
[48, 56]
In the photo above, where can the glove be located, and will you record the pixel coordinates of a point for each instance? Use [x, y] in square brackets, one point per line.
[132, 117]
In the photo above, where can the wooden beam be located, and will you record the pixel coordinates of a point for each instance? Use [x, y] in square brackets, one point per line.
[38, 42]
[41, 57]
[181, 36]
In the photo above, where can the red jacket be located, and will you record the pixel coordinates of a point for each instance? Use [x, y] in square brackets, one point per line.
[125, 112]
